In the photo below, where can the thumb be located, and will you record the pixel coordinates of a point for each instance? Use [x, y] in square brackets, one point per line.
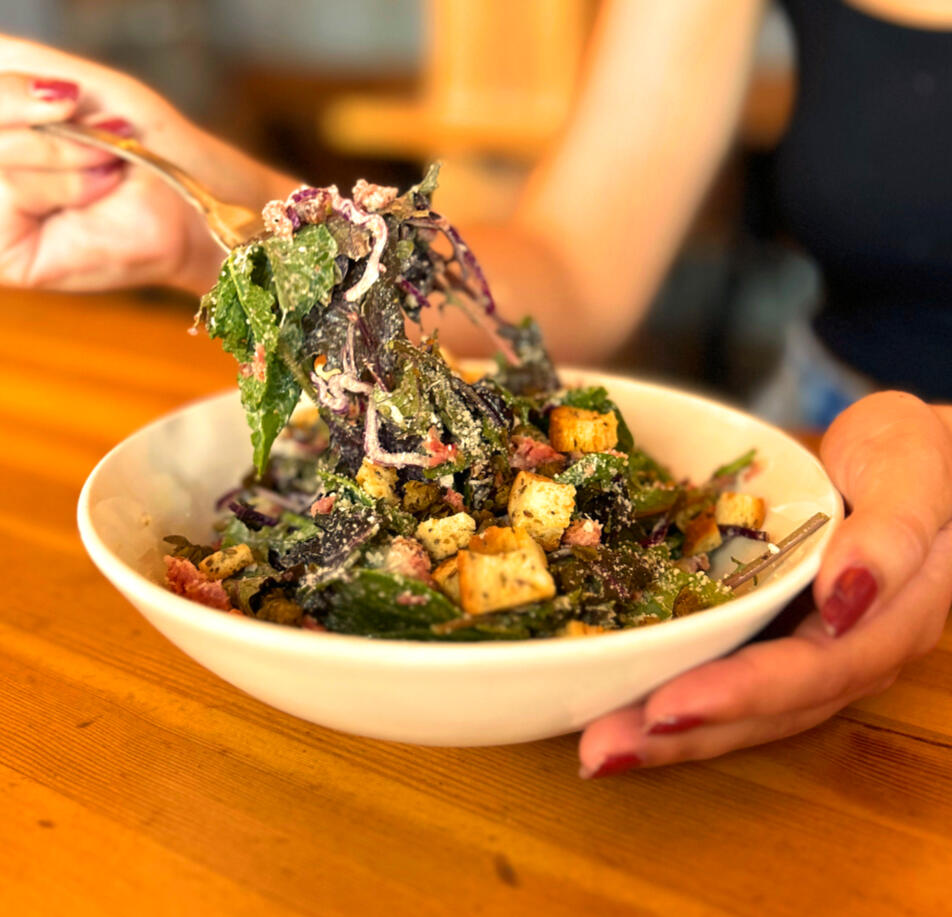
[27, 99]
[890, 455]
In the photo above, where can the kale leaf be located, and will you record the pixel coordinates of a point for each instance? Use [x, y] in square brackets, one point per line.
[378, 604]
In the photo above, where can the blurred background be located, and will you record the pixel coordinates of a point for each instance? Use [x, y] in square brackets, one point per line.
[333, 91]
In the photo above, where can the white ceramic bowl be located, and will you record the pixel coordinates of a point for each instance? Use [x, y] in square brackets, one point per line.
[165, 479]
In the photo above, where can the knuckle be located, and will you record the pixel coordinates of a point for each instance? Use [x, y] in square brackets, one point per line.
[911, 536]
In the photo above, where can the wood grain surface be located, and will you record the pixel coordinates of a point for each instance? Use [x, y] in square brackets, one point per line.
[134, 781]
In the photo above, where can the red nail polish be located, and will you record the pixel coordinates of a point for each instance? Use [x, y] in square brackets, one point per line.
[118, 126]
[853, 592]
[54, 90]
[616, 764]
[668, 725]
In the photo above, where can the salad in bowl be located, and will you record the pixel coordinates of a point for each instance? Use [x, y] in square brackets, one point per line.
[396, 495]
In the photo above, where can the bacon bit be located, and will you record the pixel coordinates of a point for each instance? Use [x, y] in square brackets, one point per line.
[372, 197]
[583, 532]
[409, 558]
[244, 370]
[259, 364]
[311, 623]
[439, 452]
[530, 453]
[694, 563]
[323, 505]
[454, 500]
[275, 216]
[185, 579]
[410, 598]
[312, 205]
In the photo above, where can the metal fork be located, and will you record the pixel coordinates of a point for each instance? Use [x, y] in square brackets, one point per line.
[229, 224]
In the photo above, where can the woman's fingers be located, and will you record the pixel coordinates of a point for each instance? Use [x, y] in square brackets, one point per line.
[24, 148]
[891, 457]
[810, 667]
[711, 741]
[768, 690]
[38, 193]
[27, 99]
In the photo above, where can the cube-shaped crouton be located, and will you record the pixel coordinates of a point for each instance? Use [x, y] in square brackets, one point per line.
[578, 430]
[378, 481]
[278, 608]
[701, 534]
[542, 507]
[740, 509]
[492, 582]
[419, 496]
[580, 629]
[226, 562]
[498, 539]
[446, 576]
[443, 537]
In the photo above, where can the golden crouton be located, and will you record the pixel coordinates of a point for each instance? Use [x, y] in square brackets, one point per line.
[578, 430]
[378, 481]
[492, 582]
[419, 496]
[701, 534]
[497, 539]
[226, 562]
[278, 608]
[443, 537]
[580, 629]
[446, 576]
[542, 507]
[740, 509]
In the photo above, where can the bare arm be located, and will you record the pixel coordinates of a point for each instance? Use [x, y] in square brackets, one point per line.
[602, 217]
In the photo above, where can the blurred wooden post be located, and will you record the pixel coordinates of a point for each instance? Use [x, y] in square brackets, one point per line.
[497, 83]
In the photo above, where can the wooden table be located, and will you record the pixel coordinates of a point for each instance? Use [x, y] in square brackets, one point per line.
[135, 782]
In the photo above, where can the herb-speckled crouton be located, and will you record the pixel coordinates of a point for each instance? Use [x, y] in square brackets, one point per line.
[378, 481]
[740, 509]
[580, 629]
[446, 576]
[578, 430]
[701, 534]
[498, 539]
[227, 562]
[443, 537]
[279, 609]
[542, 507]
[491, 582]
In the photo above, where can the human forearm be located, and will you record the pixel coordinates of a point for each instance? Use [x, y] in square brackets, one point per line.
[527, 278]
[655, 116]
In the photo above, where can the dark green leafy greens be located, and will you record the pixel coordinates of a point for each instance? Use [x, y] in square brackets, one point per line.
[319, 306]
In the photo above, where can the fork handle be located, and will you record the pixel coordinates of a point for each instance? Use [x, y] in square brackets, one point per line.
[193, 191]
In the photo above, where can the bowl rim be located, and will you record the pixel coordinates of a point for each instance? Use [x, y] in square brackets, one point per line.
[435, 655]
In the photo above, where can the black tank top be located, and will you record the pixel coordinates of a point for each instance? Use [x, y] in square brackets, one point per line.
[863, 179]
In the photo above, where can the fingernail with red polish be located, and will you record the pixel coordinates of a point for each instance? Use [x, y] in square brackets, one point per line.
[853, 592]
[668, 725]
[118, 126]
[54, 90]
[613, 764]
